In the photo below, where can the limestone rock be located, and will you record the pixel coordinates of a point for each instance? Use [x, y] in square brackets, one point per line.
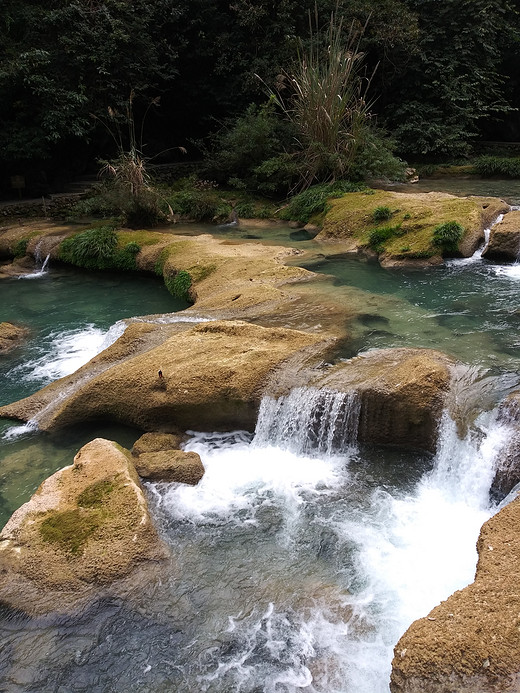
[170, 465]
[504, 241]
[86, 527]
[402, 394]
[507, 473]
[213, 379]
[470, 643]
[412, 220]
[155, 442]
[10, 335]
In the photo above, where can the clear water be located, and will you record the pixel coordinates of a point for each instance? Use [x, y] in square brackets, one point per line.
[466, 309]
[69, 314]
[300, 558]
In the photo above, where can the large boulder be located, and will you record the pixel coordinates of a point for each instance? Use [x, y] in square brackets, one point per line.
[470, 643]
[504, 240]
[406, 231]
[507, 472]
[170, 465]
[402, 394]
[212, 378]
[86, 528]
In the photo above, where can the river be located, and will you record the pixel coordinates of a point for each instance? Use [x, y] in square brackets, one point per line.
[297, 562]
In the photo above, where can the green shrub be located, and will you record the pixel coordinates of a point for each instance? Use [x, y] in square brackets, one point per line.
[448, 235]
[245, 210]
[96, 249]
[314, 200]
[20, 248]
[199, 205]
[379, 236]
[179, 284]
[381, 214]
[506, 167]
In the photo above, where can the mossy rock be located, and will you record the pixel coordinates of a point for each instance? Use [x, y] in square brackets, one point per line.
[413, 220]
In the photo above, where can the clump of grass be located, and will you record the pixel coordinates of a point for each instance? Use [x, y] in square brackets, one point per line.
[448, 235]
[315, 200]
[20, 248]
[499, 166]
[96, 249]
[179, 284]
[378, 237]
[381, 214]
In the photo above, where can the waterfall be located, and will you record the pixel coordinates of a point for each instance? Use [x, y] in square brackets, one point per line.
[477, 255]
[309, 421]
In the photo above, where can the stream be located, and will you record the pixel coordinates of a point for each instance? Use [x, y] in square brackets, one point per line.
[299, 560]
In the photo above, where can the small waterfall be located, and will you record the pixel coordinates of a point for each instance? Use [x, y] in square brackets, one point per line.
[477, 255]
[41, 263]
[309, 421]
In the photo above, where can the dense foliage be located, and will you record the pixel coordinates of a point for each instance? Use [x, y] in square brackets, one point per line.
[446, 76]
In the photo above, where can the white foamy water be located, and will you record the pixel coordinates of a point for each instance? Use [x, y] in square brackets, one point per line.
[401, 554]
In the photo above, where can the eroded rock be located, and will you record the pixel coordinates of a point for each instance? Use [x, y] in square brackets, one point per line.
[86, 527]
[504, 240]
[470, 643]
[170, 465]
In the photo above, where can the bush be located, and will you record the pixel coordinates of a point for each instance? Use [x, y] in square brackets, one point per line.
[381, 214]
[506, 167]
[179, 284]
[448, 235]
[379, 236]
[199, 205]
[20, 248]
[314, 200]
[96, 249]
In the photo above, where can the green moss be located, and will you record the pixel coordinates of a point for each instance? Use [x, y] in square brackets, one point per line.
[200, 272]
[179, 284]
[95, 494]
[70, 529]
[19, 249]
[378, 237]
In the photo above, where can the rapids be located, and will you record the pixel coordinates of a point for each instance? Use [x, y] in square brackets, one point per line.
[301, 557]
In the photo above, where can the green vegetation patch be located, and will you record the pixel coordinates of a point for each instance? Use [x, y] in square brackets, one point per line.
[498, 166]
[95, 494]
[99, 248]
[382, 213]
[179, 284]
[200, 272]
[70, 529]
[378, 237]
[315, 200]
[19, 249]
[448, 236]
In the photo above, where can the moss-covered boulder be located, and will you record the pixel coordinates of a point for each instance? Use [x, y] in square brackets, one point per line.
[10, 336]
[401, 227]
[402, 394]
[86, 528]
[213, 377]
[470, 643]
[504, 240]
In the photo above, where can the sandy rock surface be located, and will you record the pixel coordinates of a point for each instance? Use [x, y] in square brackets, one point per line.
[86, 527]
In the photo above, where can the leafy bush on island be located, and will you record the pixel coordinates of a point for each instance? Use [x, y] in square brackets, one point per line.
[97, 249]
[314, 201]
[448, 235]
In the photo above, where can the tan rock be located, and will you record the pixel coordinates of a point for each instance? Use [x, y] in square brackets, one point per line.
[155, 442]
[213, 378]
[470, 643]
[402, 393]
[10, 335]
[170, 465]
[504, 240]
[86, 527]
[414, 217]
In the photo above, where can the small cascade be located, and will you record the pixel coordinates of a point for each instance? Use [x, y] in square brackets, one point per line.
[309, 421]
[477, 255]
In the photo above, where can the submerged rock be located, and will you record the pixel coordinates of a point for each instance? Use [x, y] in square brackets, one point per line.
[86, 527]
[504, 240]
[470, 643]
[11, 335]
